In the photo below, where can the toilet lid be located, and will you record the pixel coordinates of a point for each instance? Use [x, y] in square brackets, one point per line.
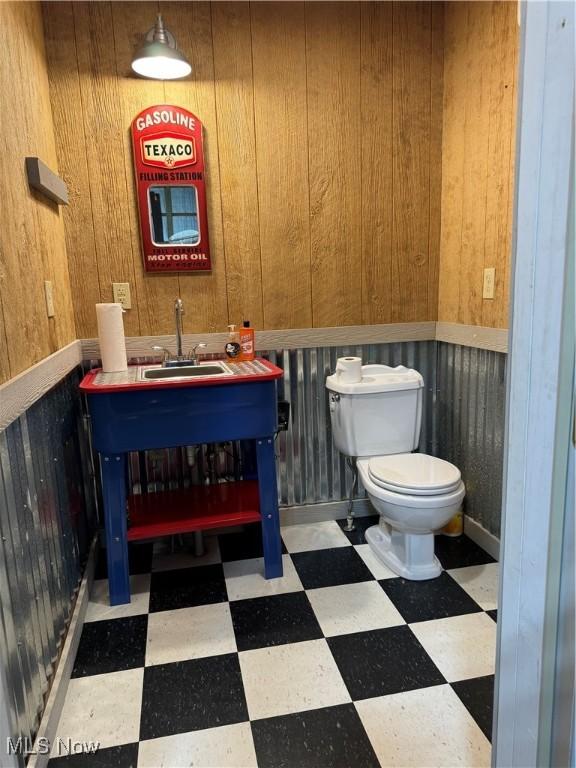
[415, 474]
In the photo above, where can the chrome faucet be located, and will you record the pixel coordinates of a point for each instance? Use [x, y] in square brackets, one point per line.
[179, 358]
[178, 312]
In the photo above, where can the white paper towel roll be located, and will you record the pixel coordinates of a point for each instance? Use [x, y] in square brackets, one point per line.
[111, 337]
[349, 369]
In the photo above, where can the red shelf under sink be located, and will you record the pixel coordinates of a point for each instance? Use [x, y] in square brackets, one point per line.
[194, 509]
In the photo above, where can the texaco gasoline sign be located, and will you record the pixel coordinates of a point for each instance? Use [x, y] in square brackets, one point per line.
[169, 163]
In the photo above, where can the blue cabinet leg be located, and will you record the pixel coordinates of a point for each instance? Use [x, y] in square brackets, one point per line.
[269, 507]
[114, 497]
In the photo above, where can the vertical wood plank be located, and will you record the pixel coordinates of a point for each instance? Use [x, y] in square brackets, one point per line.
[72, 162]
[153, 295]
[500, 159]
[103, 126]
[279, 55]
[455, 93]
[204, 295]
[32, 246]
[411, 135]
[377, 152]
[479, 47]
[333, 61]
[237, 159]
[435, 162]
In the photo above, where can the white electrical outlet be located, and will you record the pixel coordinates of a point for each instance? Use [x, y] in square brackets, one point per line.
[489, 279]
[121, 292]
[49, 294]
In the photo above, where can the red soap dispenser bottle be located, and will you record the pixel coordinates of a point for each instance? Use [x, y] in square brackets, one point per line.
[247, 350]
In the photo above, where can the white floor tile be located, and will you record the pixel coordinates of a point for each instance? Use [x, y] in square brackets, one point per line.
[291, 678]
[353, 608]
[164, 560]
[230, 746]
[304, 538]
[426, 727]
[102, 708]
[376, 568]
[189, 633]
[461, 646]
[99, 607]
[481, 583]
[245, 579]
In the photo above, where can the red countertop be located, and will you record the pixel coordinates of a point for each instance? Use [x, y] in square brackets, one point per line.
[119, 382]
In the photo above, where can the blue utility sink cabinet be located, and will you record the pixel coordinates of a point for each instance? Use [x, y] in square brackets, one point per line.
[134, 416]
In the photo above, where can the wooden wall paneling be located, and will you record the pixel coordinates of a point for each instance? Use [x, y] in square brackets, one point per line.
[153, 295]
[453, 158]
[237, 159]
[204, 294]
[333, 62]
[376, 162]
[435, 162]
[279, 61]
[24, 262]
[411, 136]
[50, 237]
[4, 360]
[103, 126]
[504, 31]
[64, 82]
[480, 50]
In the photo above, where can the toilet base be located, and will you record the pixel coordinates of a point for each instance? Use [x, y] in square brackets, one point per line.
[410, 555]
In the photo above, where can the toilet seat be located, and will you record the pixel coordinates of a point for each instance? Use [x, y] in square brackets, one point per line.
[414, 474]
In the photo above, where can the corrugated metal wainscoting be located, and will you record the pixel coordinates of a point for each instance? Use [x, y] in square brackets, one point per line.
[47, 520]
[471, 393]
[310, 469]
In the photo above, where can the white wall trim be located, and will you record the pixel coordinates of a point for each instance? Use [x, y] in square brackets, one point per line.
[297, 338]
[482, 537]
[53, 710]
[481, 337]
[19, 393]
[322, 512]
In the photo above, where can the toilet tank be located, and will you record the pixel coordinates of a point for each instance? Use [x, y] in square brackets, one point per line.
[379, 415]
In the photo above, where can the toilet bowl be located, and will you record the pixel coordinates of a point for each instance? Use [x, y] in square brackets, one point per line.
[376, 417]
[415, 494]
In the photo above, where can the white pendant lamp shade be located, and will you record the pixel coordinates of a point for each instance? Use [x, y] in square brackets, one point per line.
[158, 58]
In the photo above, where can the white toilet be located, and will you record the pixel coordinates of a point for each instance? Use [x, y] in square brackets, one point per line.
[377, 420]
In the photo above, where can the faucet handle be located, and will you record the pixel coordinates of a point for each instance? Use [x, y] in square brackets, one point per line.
[201, 345]
[167, 353]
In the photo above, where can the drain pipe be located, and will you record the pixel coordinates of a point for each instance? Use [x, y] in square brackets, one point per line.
[351, 461]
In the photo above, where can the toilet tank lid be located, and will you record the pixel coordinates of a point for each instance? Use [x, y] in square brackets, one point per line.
[377, 378]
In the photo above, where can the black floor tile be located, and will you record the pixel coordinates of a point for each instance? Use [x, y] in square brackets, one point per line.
[477, 695]
[383, 661]
[112, 645]
[275, 620]
[360, 525]
[192, 695]
[187, 587]
[493, 614]
[125, 756]
[321, 738]
[330, 567]
[459, 552]
[244, 545]
[139, 559]
[433, 599]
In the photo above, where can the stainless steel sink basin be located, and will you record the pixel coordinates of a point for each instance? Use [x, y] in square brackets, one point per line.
[204, 370]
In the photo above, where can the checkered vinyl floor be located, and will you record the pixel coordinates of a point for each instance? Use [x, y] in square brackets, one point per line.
[339, 663]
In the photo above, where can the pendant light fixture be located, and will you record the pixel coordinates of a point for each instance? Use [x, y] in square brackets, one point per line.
[159, 58]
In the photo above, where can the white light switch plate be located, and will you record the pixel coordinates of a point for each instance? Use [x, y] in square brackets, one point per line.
[49, 294]
[489, 278]
[121, 292]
